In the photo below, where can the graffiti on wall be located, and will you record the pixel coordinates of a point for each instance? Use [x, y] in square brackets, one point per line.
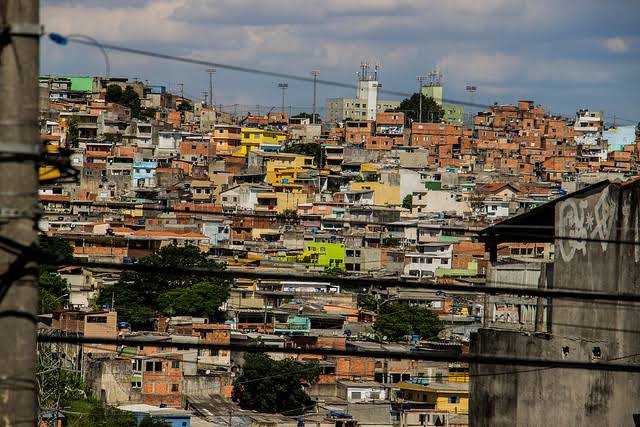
[578, 220]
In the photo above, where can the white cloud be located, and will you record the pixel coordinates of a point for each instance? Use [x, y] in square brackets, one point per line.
[479, 67]
[616, 45]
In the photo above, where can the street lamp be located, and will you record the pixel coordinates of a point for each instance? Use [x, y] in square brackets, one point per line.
[284, 87]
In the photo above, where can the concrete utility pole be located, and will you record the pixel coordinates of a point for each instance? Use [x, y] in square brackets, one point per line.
[19, 139]
[284, 87]
[181, 91]
[421, 80]
[315, 74]
[211, 72]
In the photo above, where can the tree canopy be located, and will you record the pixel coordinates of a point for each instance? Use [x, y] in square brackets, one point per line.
[127, 97]
[309, 116]
[312, 149]
[53, 288]
[407, 202]
[395, 321]
[185, 106]
[138, 296]
[431, 111]
[73, 132]
[267, 385]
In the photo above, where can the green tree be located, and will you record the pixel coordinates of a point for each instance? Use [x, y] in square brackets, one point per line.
[202, 299]
[308, 116]
[53, 288]
[139, 295]
[73, 132]
[395, 321]
[312, 149]
[431, 111]
[185, 106]
[267, 385]
[148, 113]
[407, 202]
[90, 413]
[55, 249]
[53, 291]
[113, 94]
[288, 216]
[367, 302]
[131, 100]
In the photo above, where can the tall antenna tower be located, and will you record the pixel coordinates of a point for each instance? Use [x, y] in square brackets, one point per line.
[315, 74]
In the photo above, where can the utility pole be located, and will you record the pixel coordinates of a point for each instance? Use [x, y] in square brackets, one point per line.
[284, 87]
[211, 72]
[315, 74]
[181, 91]
[204, 96]
[420, 80]
[19, 142]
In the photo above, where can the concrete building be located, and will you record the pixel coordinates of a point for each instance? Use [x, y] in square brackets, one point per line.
[365, 105]
[578, 330]
[453, 113]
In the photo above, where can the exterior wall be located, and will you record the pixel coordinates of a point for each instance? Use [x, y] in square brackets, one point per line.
[212, 333]
[163, 386]
[328, 254]
[109, 380]
[144, 174]
[102, 324]
[580, 330]
[383, 194]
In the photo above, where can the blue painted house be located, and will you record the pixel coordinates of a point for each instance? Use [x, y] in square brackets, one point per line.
[172, 416]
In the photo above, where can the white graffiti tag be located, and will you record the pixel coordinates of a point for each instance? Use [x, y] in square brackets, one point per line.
[577, 221]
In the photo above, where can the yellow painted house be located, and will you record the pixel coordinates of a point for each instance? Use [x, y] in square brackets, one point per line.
[284, 168]
[383, 193]
[253, 138]
[451, 396]
[288, 198]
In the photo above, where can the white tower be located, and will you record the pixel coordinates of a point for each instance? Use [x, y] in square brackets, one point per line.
[368, 88]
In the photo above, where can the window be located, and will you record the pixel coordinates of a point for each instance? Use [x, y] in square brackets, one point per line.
[375, 395]
[174, 387]
[454, 399]
[153, 366]
[175, 364]
[136, 383]
[356, 395]
[96, 319]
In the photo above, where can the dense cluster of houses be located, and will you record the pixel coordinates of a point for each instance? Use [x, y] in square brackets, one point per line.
[384, 198]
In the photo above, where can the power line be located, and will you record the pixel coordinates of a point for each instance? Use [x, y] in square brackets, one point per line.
[508, 288]
[61, 40]
[414, 355]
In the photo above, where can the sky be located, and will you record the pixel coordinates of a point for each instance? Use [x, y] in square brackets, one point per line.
[564, 55]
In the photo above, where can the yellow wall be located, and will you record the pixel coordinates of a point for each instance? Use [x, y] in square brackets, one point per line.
[278, 167]
[442, 403]
[383, 194]
[288, 201]
[251, 136]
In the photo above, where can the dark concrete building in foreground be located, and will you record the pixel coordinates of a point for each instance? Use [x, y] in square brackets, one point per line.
[578, 330]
